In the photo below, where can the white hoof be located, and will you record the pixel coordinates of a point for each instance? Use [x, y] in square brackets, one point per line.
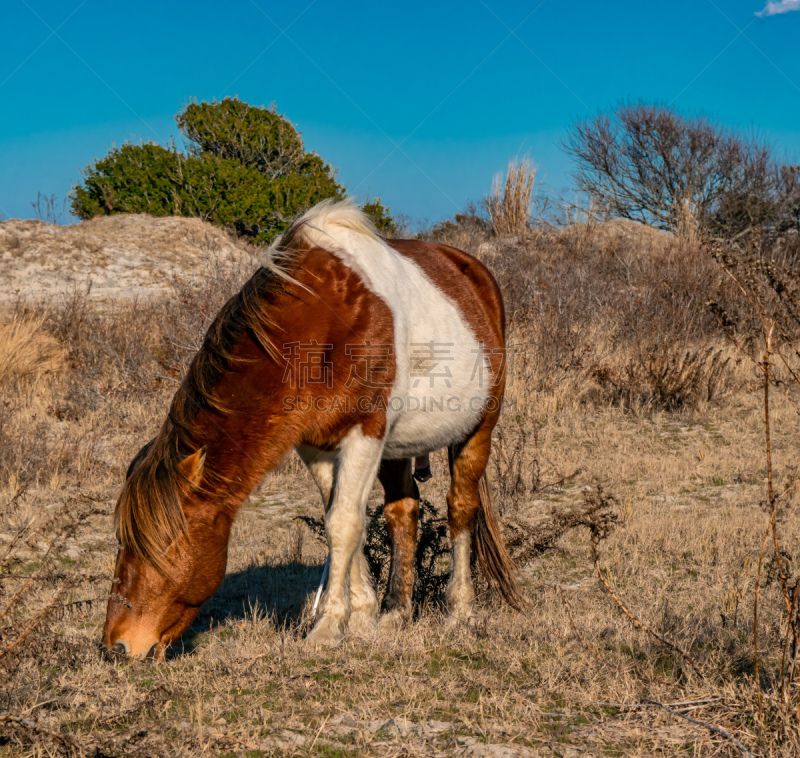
[327, 632]
[364, 623]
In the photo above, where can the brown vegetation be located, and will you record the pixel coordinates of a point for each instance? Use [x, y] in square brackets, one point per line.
[621, 381]
[509, 204]
[26, 350]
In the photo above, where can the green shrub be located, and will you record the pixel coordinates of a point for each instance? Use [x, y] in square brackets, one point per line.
[380, 216]
[246, 168]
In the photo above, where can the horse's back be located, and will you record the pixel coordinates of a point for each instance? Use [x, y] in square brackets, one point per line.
[465, 280]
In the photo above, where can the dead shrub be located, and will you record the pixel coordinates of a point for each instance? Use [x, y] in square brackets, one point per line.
[431, 560]
[666, 377]
[528, 540]
[465, 231]
[613, 314]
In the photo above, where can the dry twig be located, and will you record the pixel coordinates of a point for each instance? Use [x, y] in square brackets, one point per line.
[64, 739]
[715, 729]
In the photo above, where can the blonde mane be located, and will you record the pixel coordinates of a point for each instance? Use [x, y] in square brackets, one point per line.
[319, 226]
[148, 514]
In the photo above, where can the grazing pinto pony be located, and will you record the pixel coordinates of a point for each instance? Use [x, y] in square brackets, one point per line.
[360, 353]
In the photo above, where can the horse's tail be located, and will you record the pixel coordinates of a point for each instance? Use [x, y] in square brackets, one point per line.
[487, 543]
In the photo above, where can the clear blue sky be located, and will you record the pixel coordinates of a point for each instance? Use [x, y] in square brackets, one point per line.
[419, 103]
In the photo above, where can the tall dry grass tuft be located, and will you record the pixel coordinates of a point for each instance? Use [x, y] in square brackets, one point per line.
[669, 376]
[509, 203]
[688, 224]
[26, 349]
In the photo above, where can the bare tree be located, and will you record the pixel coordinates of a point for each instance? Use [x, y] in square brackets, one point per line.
[651, 164]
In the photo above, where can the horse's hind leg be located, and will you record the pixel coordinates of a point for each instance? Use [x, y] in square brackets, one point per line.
[320, 465]
[402, 516]
[467, 465]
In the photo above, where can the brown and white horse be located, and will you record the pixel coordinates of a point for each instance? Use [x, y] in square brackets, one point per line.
[360, 353]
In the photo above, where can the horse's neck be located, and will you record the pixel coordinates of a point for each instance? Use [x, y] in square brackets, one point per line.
[251, 440]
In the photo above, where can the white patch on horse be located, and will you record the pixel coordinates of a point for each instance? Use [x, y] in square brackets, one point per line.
[355, 468]
[460, 594]
[363, 600]
[320, 465]
[443, 377]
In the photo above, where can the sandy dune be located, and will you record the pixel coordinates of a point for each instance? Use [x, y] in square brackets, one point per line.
[117, 256]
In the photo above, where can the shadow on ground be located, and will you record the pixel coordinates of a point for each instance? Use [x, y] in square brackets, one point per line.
[277, 590]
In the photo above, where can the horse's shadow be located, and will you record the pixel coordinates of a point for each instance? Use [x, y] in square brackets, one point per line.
[278, 591]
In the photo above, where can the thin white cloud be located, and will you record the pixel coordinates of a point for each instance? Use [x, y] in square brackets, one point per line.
[782, 6]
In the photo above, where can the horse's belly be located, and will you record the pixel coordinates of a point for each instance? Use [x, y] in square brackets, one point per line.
[440, 398]
[429, 429]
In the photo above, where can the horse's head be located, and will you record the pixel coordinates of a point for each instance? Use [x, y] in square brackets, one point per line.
[172, 555]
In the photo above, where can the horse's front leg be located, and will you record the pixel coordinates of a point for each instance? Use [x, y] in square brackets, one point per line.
[354, 472]
[363, 600]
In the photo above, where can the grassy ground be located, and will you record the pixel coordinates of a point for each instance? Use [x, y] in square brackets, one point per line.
[242, 683]
[570, 675]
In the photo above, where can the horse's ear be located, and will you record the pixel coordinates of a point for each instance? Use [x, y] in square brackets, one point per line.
[192, 467]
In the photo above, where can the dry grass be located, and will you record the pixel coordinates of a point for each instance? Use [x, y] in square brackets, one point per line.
[26, 350]
[571, 675]
[509, 203]
[615, 313]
